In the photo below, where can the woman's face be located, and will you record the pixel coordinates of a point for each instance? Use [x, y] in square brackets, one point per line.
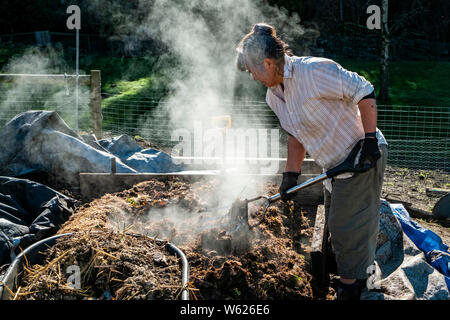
[268, 75]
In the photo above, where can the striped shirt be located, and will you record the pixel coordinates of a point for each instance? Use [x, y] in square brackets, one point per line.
[318, 105]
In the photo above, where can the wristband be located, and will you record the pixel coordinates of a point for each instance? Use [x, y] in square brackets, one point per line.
[371, 135]
[292, 173]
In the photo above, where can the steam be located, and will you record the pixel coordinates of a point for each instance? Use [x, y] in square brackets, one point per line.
[27, 94]
[180, 222]
[201, 37]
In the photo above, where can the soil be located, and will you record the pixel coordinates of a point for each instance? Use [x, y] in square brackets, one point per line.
[410, 187]
[270, 261]
[112, 265]
[266, 262]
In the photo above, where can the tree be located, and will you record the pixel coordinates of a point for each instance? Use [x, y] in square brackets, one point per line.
[384, 61]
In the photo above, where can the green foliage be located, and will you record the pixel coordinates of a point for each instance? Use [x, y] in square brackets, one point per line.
[119, 73]
[131, 86]
[417, 83]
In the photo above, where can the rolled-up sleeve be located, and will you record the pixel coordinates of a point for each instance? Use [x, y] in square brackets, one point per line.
[331, 81]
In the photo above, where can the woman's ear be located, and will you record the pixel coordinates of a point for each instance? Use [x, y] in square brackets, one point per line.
[268, 64]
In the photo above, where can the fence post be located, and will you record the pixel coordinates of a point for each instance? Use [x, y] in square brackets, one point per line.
[96, 103]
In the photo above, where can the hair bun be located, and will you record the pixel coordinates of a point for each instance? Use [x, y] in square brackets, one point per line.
[264, 29]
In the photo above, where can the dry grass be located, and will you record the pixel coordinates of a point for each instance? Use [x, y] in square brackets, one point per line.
[113, 265]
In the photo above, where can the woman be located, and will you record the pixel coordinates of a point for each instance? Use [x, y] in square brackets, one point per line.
[326, 110]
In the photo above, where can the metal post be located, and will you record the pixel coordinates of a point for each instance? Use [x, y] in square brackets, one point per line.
[77, 75]
[74, 22]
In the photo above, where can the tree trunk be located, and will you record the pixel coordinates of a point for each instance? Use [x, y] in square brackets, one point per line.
[384, 62]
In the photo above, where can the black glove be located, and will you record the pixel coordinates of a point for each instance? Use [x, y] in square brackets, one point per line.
[370, 150]
[289, 181]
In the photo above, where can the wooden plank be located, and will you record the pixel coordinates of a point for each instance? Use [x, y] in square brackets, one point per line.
[416, 212]
[436, 192]
[255, 165]
[319, 246]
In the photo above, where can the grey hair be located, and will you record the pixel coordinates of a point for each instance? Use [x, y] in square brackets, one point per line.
[261, 43]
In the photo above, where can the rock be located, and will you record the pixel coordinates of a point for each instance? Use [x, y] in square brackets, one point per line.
[406, 275]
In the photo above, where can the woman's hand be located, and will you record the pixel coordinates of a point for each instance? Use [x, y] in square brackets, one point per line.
[289, 181]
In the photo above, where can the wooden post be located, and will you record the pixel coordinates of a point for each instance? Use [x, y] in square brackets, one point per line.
[96, 103]
[319, 246]
[113, 165]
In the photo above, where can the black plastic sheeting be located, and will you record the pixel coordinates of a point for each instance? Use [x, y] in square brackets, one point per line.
[29, 212]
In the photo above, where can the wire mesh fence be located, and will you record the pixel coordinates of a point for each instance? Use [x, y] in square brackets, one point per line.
[15, 99]
[418, 136]
[150, 118]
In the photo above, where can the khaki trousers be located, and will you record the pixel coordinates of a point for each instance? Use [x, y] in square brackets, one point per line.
[352, 214]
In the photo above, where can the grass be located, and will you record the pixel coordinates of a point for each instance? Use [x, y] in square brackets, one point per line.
[411, 82]
[126, 82]
[130, 77]
[415, 83]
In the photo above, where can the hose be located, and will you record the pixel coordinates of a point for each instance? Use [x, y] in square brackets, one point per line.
[185, 270]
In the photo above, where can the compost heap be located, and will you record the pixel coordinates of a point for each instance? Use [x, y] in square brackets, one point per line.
[112, 265]
[267, 263]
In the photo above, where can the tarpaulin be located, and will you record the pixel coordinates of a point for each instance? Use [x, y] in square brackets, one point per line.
[436, 252]
[40, 141]
[142, 160]
[29, 211]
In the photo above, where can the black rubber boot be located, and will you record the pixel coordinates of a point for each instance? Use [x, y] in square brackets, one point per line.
[350, 291]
